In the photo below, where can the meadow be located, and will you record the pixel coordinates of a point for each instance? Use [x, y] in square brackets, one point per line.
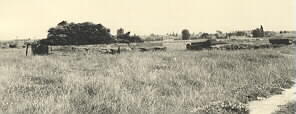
[210, 82]
[289, 108]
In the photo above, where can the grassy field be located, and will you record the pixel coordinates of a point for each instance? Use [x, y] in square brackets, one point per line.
[289, 108]
[213, 82]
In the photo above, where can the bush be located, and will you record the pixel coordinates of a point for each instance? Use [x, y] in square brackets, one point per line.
[126, 38]
[258, 32]
[12, 45]
[223, 107]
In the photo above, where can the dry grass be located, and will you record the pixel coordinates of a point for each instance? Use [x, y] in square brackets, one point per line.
[289, 108]
[150, 82]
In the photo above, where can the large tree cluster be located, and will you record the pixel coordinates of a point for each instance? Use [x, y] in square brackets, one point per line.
[78, 34]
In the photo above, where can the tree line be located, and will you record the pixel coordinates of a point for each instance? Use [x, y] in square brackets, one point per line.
[258, 32]
[85, 33]
[66, 33]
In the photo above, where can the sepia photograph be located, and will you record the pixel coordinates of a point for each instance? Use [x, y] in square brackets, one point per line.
[147, 56]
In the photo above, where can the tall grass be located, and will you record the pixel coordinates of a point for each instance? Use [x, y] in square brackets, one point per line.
[149, 82]
[289, 108]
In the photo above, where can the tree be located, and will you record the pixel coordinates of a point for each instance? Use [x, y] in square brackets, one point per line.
[185, 34]
[126, 37]
[258, 32]
[120, 32]
[78, 34]
[261, 31]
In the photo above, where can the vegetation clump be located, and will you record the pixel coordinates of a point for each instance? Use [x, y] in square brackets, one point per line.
[126, 37]
[78, 34]
[223, 107]
[258, 32]
[85, 33]
[185, 34]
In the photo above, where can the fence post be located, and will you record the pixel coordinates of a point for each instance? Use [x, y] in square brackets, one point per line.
[118, 50]
[27, 49]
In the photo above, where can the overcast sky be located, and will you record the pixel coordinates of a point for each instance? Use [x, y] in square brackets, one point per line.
[32, 18]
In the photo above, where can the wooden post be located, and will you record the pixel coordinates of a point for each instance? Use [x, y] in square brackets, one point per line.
[118, 50]
[27, 49]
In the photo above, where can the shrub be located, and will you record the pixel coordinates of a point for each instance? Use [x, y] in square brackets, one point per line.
[126, 38]
[12, 45]
[258, 32]
[223, 107]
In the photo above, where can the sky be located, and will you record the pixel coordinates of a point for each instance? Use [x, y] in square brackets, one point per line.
[21, 19]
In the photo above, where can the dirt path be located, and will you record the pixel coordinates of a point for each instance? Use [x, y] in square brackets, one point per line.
[270, 105]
